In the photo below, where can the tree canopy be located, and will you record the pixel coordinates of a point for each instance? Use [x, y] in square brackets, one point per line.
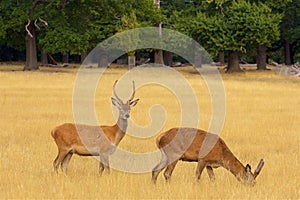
[75, 27]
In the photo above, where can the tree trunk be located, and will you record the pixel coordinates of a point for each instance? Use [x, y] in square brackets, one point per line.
[103, 58]
[168, 57]
[158, 57]
[131, 62]
[261, 57]
[221, 57]
[287, 53]
[44, 58]
[65, 58]
[197, 60]
[30, 38]
[31, 54]
[233, 62]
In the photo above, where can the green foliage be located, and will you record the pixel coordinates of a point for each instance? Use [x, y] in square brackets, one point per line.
[290, 25]
[64, 39]
[66, 31]
[228, 25]
[12, 22]
[78, 26]
[129, 41]
[242, 24]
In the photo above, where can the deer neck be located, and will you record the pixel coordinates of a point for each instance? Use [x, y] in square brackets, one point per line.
[234, 166]
[120, 127]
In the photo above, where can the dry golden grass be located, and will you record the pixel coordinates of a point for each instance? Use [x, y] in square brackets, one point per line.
[262, 120]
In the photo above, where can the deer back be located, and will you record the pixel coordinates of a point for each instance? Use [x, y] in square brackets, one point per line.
[193, 144]
[84, 139]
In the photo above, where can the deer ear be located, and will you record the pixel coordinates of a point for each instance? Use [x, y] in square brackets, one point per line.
[115, 102]
[248, 168]
[133, 103]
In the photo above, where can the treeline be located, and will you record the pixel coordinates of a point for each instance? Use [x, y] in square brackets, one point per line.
[253, 31]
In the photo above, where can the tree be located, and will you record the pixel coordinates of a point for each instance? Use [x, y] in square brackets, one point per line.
[75, 27]
[79, 26]
[30, 38]
[290, 28]
[181, 16]
[129, 22]
[15, 15]
[268, 28]
[240, 24]
[158, 54]
[69, 29]
[21, 19]
[274, 19]
[232, 26]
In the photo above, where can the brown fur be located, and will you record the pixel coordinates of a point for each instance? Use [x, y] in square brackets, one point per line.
[194, 145]
[86, 140]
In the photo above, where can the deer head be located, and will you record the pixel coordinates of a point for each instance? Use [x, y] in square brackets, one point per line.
[249, 177]
[124, 108]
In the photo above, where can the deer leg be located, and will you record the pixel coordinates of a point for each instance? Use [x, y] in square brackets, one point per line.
[104, 164]
[210, 172]
[168, 172]
[156, 170]
[60, 156]
[65, 162]
[200, 167]
[101, 168]
[159, 167]
[55, 165]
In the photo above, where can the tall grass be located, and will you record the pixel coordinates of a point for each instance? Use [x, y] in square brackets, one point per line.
[262, 121]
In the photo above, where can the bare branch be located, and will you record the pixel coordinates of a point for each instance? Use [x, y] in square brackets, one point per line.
[26, 28]
[243, 49]
[35, 23]
[43, 21]
[34, 4]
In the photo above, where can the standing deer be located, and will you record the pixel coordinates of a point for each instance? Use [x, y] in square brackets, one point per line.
[194, 145]
[86, 140]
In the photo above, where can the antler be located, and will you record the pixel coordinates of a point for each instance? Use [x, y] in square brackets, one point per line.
[115, 93]
[259, 167]
[132, 95]
[133, 91]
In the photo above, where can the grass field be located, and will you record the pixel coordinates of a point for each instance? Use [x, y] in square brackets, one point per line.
[262, 121]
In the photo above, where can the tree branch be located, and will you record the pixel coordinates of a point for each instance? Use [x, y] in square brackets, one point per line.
[27, 30]
[35, 23]
[34, 4]
[43, 21]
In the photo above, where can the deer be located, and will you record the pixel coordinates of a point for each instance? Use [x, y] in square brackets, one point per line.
[87, 140]
[207, 149]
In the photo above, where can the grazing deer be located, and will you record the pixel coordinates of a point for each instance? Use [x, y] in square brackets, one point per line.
[194, 145]
[86, 140]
